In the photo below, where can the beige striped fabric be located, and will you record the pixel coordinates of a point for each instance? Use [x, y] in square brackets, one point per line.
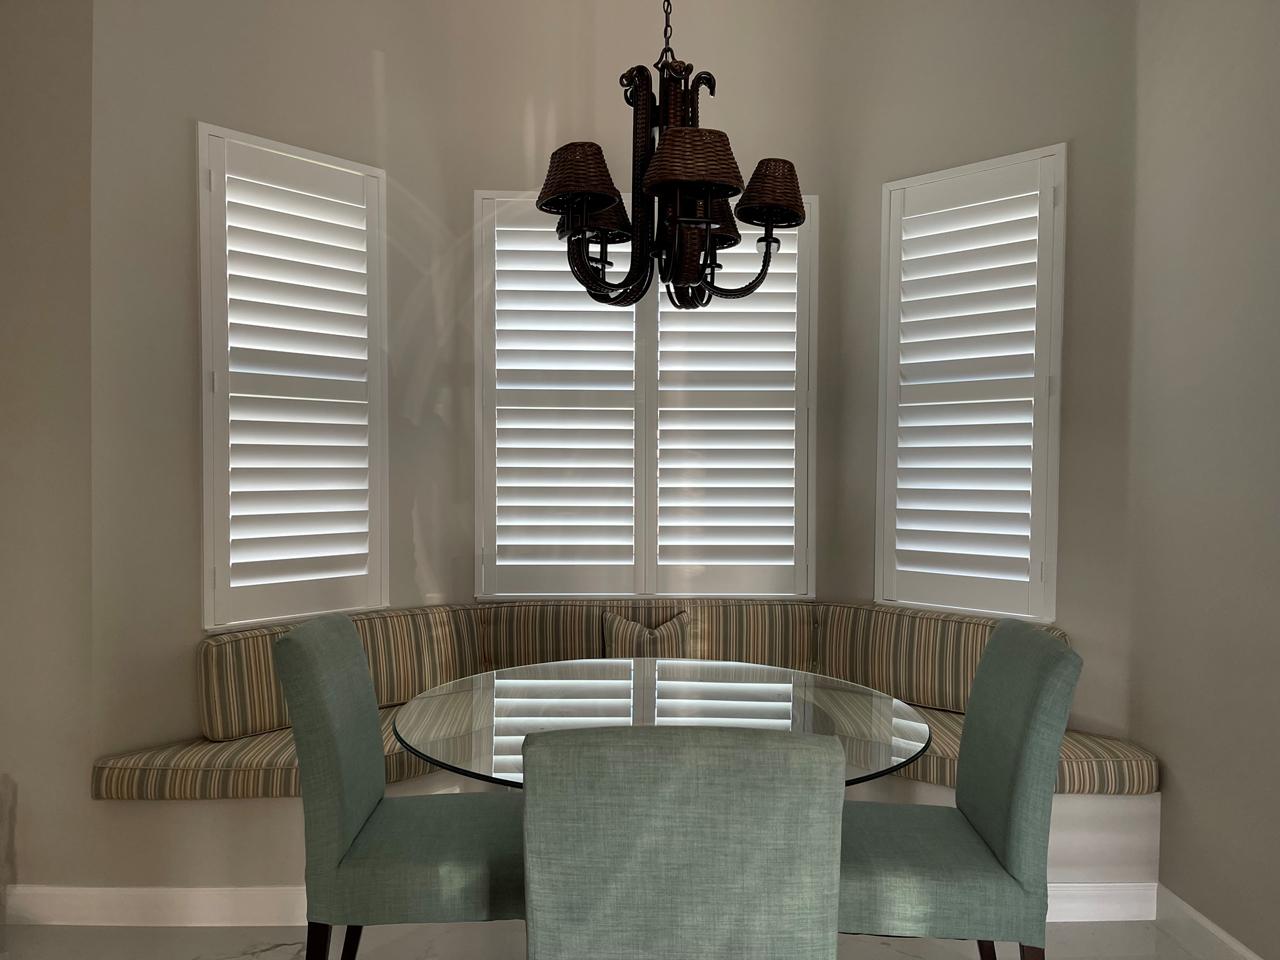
[414, 650]
[265, 765]
[626, 638]
[778, 633]
[920, 656]
[539, 632]
[1089, 763]
[239, 692]
[409, 650]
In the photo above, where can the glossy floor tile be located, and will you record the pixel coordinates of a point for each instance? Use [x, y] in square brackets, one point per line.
[505, 941]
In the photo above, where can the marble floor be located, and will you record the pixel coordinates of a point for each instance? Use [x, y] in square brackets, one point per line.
[505, 941]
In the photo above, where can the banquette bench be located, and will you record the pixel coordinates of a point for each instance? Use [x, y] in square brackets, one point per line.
[926, 658]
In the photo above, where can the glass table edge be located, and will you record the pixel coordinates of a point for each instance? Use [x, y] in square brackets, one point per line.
[519, 785]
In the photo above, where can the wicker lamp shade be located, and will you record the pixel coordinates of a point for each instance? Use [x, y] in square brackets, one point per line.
[772, 197]
[697, 158]
[725, 233]
[612, 222]
[578, 173]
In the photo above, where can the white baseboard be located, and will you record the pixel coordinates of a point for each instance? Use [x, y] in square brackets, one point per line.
[1080, 902]
[277, 906]
[284, 906]
[1199, 935]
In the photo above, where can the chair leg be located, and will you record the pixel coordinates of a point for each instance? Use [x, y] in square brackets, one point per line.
[1030, 953]
[318, 941]
[986, 950]
[351, 943]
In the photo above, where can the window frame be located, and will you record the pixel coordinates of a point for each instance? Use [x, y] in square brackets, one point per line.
[1048, 380]
[646, 416]
[215, 388]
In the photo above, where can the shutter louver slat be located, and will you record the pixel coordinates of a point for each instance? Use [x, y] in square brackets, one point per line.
[295, 249]
[564, 422]
[291, 227]
[258, 243]
[964, 426]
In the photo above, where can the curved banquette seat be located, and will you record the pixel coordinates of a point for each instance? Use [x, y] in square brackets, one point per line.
[926, 658]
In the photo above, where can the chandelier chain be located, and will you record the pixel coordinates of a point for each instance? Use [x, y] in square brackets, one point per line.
[667, 53]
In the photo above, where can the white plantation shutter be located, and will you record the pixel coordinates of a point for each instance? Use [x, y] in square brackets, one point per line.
[972, 300]
[643, 450]
[294, 352]
[732, 449]
[559, 413]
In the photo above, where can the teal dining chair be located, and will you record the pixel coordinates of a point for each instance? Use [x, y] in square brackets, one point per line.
[373, 859]
[685, 843]
[978, 870]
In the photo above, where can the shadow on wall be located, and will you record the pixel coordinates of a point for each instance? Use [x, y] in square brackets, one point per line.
[8, 848]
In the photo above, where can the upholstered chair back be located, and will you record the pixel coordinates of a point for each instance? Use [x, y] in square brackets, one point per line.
[1009, 749]
[681, 842]
[325, 675]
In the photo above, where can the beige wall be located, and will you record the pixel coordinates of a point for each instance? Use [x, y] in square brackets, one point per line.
[46, 653]
[1205, 500]
[450, 98]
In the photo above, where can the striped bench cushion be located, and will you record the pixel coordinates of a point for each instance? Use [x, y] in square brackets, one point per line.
[409, 650]
[1089, 763]
[264, 765]
[920, 656]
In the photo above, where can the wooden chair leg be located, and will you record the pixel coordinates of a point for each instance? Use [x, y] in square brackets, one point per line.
[1030, 953]
[318, 941]
[351, 943]
[986, 950]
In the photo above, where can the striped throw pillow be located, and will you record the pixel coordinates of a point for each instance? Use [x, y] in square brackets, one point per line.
[626, 638]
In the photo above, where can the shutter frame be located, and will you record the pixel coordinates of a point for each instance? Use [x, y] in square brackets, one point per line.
[953, 190]
[310, 277]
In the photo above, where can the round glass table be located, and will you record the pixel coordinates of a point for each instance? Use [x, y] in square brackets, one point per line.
[475, 726]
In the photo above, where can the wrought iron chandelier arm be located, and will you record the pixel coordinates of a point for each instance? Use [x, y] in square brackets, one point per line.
[623, 294]
[633, 295]
[586, 274]
[747, 289]
[700, 79]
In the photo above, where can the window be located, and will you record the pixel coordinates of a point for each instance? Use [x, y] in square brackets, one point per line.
[971, 312]
[639, 451]
[294, 355]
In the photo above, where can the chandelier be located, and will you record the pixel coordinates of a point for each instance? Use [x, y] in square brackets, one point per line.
[683, 177]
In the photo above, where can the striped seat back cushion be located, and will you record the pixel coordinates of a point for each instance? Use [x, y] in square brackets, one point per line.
[776, 632]
[779, 633]
[409, 650]
[521, 632]
[925, 657]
